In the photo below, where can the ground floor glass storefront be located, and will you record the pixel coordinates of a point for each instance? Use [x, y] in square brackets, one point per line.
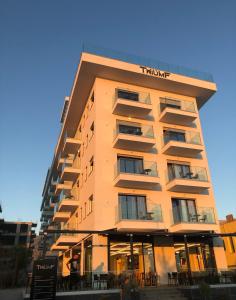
[134, 256]
[120, 257]
[148, 257]
[200, 254]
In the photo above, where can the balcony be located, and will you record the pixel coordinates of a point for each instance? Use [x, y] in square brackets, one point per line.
[55, 247]
[177, 112]
[67, 239]
[69, 173]
[46, 214]
[194, 180]
[71, 145]
[150, 220]
[186, 144]
[134, 136]
[67, 203]
[203, 220]
[67, 186]
[61, 216]
[132, 104]
[62, 161]
[144, 176]
[44, 225]
[52, 202]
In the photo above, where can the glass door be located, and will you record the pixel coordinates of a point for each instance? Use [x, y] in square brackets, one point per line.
[143, 267]
[132, 207]
[200, 257]
[131, 165]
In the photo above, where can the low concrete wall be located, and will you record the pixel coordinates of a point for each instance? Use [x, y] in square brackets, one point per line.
[217, 292]
[86, 295]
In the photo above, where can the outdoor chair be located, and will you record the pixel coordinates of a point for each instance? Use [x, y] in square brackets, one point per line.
[174, 276]
[155, 279]
[225, 277]
[103, 280]
[170, 282]
[96, 281]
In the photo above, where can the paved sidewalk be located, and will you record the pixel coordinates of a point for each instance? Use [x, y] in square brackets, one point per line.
[11, 294]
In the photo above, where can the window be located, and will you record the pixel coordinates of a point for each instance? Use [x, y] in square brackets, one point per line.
[90, 204]
[130, 165]
[170, 135]
[171, 103]
[91, 130]
[130, 129]
[91, 165]
[133, 207]
[231, 244]
[133, 96]
[92, 98]
[179, 171]
[184, 210]
[24, 228]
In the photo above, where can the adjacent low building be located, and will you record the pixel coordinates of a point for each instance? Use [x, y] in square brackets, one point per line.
[229, 226]
[16, 246]
[131, 160]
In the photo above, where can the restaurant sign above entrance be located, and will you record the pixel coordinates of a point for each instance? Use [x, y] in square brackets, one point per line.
[154, 72]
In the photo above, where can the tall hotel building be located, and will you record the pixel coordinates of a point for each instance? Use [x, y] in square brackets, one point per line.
[130, 160]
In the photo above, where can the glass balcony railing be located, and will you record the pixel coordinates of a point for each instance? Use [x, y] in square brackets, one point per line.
[176, 104]
[205, 215]
[134, 130]
[130, 95]
[55, 209]
[186, 172]
[64, 165]
[65, 195]
[152, 214]
[188, 137]
[68, 226]
[138, 167]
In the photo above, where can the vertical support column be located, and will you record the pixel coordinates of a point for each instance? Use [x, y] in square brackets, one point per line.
[132, 252]
[188, 260]
[100, 254]
[82, 259]
[164, 254]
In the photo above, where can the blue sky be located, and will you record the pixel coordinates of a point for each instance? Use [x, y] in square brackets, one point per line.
[40, 48]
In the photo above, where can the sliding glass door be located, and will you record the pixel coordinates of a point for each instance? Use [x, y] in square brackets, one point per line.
[132, 207]
[184, 210]
[130, 165]
[178, 171]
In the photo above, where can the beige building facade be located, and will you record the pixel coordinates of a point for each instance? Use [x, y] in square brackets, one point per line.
[131, 160]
